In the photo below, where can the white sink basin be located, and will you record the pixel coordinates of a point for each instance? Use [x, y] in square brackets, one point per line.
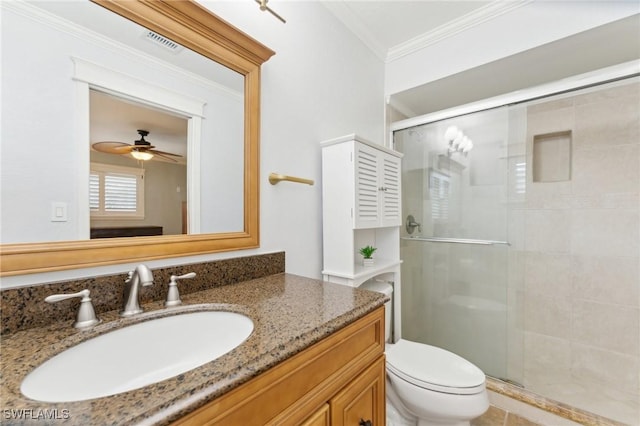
[135, 356]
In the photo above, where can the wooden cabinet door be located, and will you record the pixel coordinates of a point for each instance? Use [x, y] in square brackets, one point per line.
[362, 402]
[319, 418]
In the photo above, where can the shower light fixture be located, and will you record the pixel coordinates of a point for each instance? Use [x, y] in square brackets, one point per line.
[457, 141]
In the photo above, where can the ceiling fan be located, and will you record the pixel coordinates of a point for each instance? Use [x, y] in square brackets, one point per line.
[140, 150]
[264, 7]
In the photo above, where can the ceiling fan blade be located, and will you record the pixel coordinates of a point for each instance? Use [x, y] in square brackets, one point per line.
[163, 152]
[164, 156]
[112, 147]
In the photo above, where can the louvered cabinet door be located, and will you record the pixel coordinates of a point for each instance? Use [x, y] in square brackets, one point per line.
[390, 214]
[377, 192]
[367, 193]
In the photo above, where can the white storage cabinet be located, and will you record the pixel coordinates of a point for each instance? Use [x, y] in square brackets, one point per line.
[361, 194]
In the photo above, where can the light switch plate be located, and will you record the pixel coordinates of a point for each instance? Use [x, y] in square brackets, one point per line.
[58, 212]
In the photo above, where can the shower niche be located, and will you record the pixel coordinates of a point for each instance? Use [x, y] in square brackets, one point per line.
[551, 157]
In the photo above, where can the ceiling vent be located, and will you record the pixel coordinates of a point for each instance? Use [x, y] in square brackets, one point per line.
[159, 40]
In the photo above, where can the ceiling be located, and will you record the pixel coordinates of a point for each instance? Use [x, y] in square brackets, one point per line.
[611, 44]
[389, 26]
[394, 28]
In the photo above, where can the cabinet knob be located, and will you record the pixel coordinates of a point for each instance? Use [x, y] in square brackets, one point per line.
[364, 422]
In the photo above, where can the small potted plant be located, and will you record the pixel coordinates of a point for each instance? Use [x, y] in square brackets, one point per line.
[367, 253]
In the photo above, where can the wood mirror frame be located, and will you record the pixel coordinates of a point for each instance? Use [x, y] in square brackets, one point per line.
[194, 27]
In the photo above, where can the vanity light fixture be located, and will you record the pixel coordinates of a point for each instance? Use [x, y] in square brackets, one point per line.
[141, 155]
[457, 141]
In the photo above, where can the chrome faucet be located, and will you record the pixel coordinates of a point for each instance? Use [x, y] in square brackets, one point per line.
[142, 275]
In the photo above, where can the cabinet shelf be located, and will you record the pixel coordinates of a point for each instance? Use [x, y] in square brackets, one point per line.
[361, 272]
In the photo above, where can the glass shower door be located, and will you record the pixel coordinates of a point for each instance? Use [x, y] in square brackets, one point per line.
[454, 247]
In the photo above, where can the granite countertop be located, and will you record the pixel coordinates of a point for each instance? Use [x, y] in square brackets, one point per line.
[289, 313]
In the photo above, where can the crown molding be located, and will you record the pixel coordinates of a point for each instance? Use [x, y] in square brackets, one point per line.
[344, 14]
[456, 26]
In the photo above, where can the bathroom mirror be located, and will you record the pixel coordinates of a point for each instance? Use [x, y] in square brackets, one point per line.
[193, 27]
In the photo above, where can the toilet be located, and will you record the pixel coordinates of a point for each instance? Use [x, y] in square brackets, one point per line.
[426, 385]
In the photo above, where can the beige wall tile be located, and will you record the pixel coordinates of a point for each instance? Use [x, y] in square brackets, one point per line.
[605, 232]
[607, 279]
[549, 274]
[608, 122]
[616, 91]
[546, 315]
[548, 231]
[551, 106]
[607, 326]
[549, 121]
[547, 360]
[600, 369]
[606, 170]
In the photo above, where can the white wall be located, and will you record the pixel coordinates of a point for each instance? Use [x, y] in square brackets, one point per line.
[322, 83]
[533, 24]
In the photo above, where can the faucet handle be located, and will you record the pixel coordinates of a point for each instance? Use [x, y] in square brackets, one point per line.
[173, 295]
[86, 314]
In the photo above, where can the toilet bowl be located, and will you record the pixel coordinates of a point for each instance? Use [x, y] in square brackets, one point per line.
[434, 386]
[429, 385]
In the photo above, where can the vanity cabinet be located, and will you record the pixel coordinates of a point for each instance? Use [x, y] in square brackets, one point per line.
[338, 381]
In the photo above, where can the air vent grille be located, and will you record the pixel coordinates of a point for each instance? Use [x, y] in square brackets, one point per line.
[163, 41]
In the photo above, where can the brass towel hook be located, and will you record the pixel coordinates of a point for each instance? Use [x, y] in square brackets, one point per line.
[275, 178]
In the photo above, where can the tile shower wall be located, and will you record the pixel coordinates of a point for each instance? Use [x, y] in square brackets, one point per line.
[575, 254]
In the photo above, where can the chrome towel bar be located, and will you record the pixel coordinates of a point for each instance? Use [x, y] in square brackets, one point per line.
[455, 240]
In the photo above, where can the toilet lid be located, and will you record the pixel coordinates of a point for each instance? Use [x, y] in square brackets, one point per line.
[434, 368]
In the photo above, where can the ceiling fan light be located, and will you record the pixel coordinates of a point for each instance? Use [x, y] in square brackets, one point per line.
[141, 155]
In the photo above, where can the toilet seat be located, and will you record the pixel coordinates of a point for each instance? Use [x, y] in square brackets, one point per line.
[433, 368]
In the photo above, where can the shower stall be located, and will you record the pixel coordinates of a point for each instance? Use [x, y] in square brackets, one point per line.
[521, 250]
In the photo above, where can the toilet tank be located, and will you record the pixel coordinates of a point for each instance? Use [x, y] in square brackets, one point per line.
[387, 290]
